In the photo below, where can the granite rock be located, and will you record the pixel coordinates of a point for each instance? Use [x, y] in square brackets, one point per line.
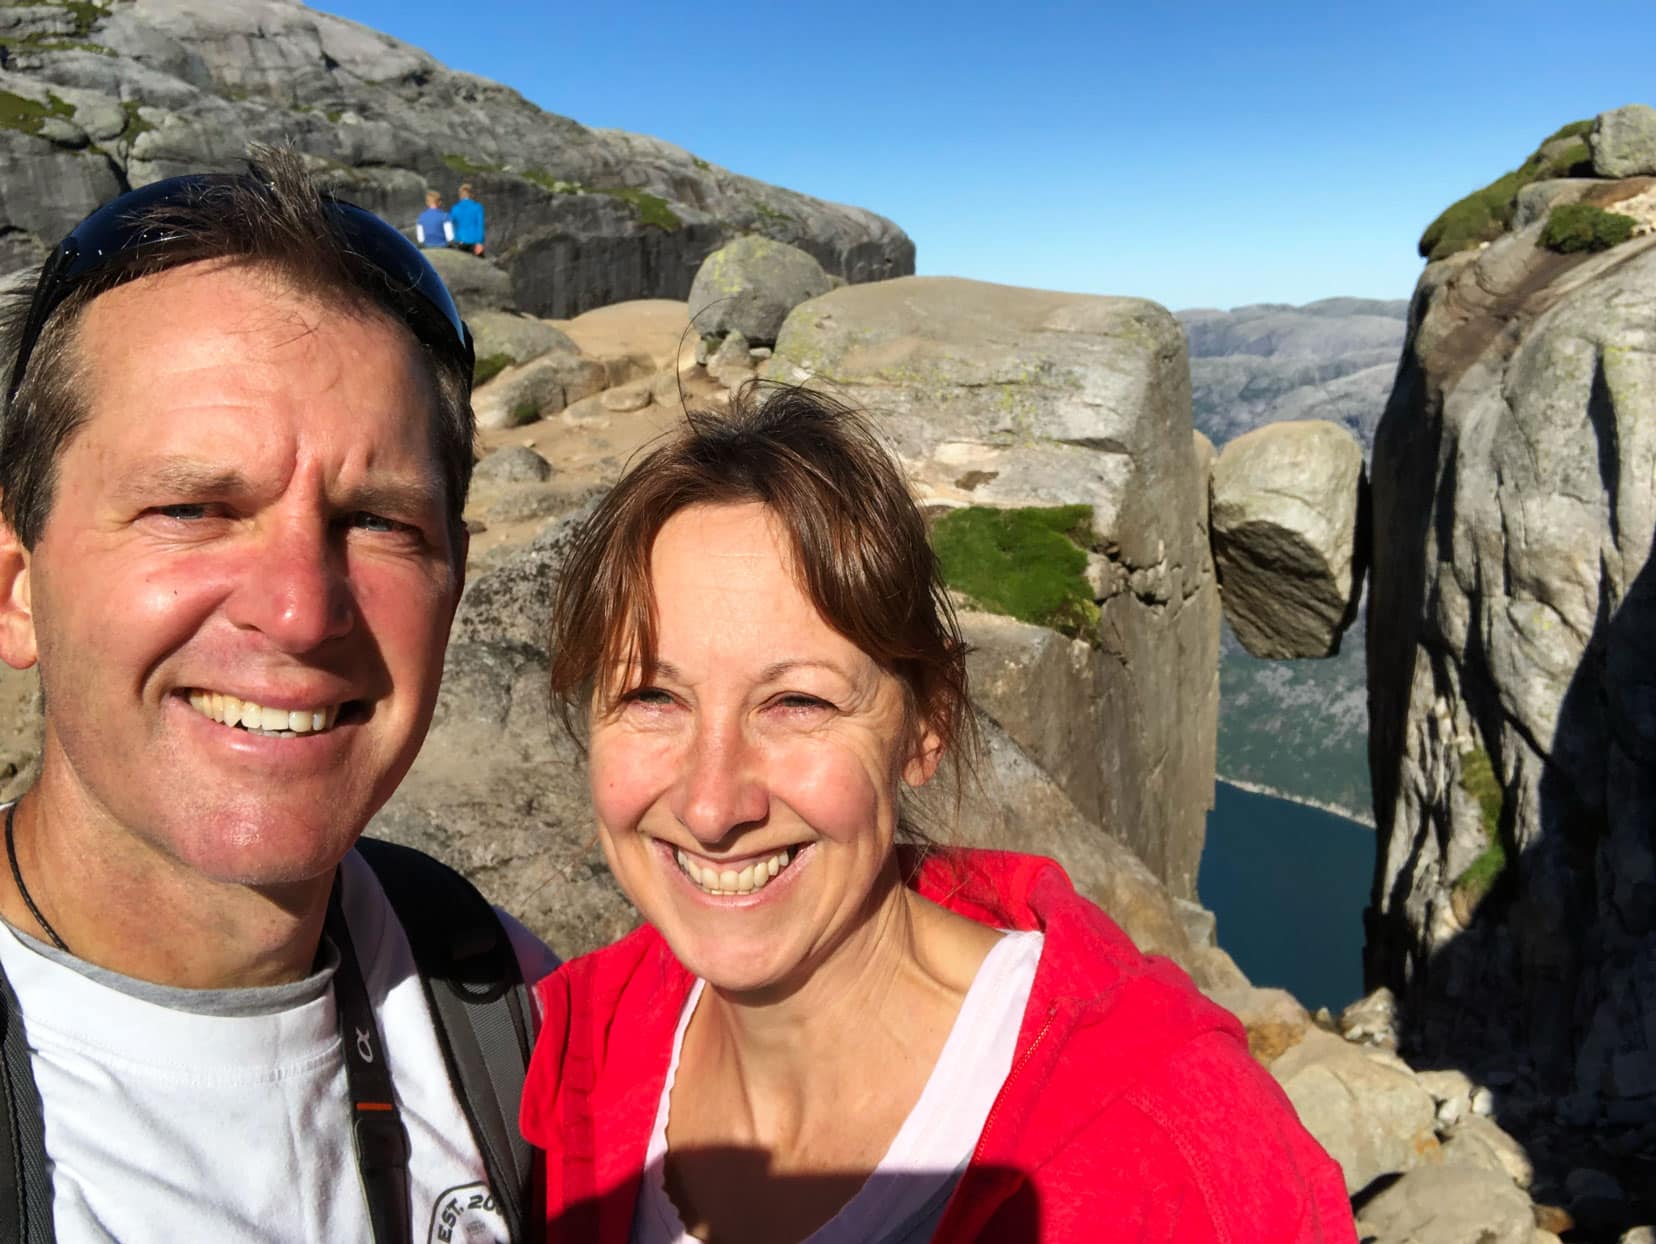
[517, 337]
[749, 285]
[1287, 518]
[1449, 1204]
[544, 385]
[1623, 141]
[1364, 1107]
[1511, 647]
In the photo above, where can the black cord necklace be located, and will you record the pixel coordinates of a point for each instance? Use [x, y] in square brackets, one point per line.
[28, 899]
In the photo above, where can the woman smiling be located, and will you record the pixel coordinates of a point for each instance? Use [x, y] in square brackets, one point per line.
[820, 1033]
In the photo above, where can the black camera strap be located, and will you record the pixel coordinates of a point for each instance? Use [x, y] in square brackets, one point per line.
[376, 1124]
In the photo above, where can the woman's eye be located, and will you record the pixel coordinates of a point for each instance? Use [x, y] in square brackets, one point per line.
[648, 695]
[801, 702]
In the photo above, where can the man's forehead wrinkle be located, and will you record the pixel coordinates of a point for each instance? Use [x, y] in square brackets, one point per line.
[187, 475]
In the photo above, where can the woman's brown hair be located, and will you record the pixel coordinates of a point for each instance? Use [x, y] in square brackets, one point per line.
[858, 541]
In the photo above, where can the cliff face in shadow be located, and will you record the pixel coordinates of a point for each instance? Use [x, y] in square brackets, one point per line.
[1512, 660]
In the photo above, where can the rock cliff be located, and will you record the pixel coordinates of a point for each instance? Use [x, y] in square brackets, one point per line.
[1512, 661]
[97, 97]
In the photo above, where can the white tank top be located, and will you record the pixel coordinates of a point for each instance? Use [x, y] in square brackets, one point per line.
[903, 1200]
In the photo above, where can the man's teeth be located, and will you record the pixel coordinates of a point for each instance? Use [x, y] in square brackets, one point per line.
[745, 880]
[230, 711]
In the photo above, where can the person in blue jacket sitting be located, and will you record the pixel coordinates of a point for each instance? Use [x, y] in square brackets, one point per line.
[467, 218]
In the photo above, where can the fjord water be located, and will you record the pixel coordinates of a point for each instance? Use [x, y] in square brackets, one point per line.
[1288, 884]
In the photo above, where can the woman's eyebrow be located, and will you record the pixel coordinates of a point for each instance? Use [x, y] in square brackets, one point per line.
[780, 668]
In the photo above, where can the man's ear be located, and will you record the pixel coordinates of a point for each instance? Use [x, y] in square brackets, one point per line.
[17, 632]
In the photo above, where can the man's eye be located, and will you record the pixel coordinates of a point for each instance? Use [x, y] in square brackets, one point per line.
[184, 512]
[373, 522]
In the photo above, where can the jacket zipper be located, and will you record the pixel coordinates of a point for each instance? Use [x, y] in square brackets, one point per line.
[1000, 1098]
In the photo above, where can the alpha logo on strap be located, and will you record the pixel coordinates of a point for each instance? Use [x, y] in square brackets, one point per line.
[467, 1215]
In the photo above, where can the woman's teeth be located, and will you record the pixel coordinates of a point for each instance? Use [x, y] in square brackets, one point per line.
[745, 880]
[282, 722]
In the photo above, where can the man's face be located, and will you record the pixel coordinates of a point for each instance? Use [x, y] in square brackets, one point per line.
[251, 518]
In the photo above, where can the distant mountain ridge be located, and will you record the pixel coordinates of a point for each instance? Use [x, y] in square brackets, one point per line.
[98, 97]
[1333, 359]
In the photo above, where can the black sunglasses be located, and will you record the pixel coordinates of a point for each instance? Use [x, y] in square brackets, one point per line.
[119, 228]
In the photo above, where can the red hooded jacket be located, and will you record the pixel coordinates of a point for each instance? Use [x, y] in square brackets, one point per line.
[1133, 1111]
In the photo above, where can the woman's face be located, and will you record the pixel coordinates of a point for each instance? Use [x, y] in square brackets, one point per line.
[747, 795]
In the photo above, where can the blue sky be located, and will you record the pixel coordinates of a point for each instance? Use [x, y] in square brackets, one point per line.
[1200, 154]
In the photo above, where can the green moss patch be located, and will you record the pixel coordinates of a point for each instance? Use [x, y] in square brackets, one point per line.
[135, 124]
[82, 13]
[1486, 214]
[1029, 564]
[652, 209]
[546, 181]
[26, 115]
[1478, 779]
[1583, 227]
[1575, 129]
[467, 167]
[85, 13]
[488, 367]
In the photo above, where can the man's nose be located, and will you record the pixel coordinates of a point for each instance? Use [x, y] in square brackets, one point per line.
[721, 789]
[294, 587]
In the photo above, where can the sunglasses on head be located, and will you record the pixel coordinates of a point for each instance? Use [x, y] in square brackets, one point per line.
[126, 226]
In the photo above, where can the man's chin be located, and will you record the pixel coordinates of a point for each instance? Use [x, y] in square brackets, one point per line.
[263, 849]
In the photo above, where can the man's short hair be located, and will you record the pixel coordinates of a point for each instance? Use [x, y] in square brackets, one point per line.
[275, 219]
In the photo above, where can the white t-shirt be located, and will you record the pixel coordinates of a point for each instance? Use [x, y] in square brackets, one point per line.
[904, 1198]
[224, 1115]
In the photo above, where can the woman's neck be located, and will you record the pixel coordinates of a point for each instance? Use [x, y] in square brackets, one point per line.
[886, 997]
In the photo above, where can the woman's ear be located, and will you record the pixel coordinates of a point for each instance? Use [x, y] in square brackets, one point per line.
[924, 759]
[17, 631]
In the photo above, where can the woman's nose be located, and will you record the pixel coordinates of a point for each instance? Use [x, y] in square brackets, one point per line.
[721, 789]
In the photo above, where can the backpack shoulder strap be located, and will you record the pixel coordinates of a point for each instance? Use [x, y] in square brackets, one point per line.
[25, 1180]
[481, 1006]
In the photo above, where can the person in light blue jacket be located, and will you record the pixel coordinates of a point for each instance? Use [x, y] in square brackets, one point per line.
[467, 218]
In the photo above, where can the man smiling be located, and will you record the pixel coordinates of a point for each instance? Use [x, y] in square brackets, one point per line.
[236, 447]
